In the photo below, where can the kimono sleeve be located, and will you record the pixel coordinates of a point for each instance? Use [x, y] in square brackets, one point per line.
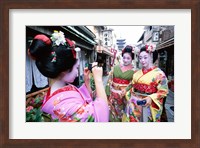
[162, 88]
[74, 108]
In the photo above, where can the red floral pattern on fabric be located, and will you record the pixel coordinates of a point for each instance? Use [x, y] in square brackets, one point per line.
[67, 119]
[121, 81]
[144, 88]
[154, 105]
[132, 119]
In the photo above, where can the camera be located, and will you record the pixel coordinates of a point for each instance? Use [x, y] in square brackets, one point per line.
[90, 67]
[141, 102]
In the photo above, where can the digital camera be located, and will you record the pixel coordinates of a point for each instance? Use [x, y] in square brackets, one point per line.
[90, 67]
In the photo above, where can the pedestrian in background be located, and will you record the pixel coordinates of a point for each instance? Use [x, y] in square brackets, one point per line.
[149, 88]
[119, 78]
[56, 58]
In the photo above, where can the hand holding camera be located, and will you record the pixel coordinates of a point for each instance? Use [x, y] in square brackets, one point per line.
[145, 102]
[97, 73]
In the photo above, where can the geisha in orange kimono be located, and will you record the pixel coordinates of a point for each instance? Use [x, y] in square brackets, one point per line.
[149, 87]
[120, 78]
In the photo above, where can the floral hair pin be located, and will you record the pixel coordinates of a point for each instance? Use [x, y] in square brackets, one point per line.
[58, 38]
[53, 53]
[150, 47]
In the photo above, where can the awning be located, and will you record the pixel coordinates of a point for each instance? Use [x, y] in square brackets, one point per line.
[165, 44]
[141, 38]
[101, 49]
[79, 34]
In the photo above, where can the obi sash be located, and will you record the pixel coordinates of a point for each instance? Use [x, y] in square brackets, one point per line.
[144, 88]
[121, 81]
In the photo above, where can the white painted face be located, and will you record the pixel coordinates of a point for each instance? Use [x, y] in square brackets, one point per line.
[127, 59]
[145, 59]
[69, 77]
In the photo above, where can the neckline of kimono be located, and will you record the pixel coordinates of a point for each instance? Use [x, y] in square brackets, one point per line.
[68, 87]
[145, 71]
[150, 69]
[129, 66]
[48, 96]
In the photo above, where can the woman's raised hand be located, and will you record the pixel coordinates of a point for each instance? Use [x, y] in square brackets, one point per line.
[86, 74]
[149, 101]
[97, 72]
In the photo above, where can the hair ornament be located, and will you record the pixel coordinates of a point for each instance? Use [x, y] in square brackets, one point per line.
[58, 38]
[77, 49]
[53, 53]
[150, 47]
[127, 46]
[43, 38]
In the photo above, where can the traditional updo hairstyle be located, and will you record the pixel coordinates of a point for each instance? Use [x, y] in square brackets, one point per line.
[154, 52]
[43, 52]
[128, 49]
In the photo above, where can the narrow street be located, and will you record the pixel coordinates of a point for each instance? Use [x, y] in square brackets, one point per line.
[169, 106]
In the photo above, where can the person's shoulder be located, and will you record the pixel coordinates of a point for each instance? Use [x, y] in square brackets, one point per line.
[136, 70]
[159, 70]
[117, 66]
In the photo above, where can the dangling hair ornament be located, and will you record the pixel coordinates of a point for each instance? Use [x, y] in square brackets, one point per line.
[53, 53]
[58, 38]
[75, 51]
[150, 47]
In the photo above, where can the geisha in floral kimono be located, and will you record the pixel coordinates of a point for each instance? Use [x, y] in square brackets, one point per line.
[57, 59]
[149, 87]
[120, 78]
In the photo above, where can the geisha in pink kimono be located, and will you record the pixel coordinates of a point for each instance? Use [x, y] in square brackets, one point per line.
[149, 87]
[58, 59]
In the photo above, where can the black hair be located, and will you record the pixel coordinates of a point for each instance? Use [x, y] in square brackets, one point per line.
[155, 53]
[42, 53]
[128, 49]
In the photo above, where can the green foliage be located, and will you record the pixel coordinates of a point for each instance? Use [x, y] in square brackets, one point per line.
[34, 115]
[92, 83]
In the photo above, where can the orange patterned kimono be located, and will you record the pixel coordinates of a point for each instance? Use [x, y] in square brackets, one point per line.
[151, 83]
[119, 79]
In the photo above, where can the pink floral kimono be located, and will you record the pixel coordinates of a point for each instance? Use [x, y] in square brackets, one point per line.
[71, 104]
